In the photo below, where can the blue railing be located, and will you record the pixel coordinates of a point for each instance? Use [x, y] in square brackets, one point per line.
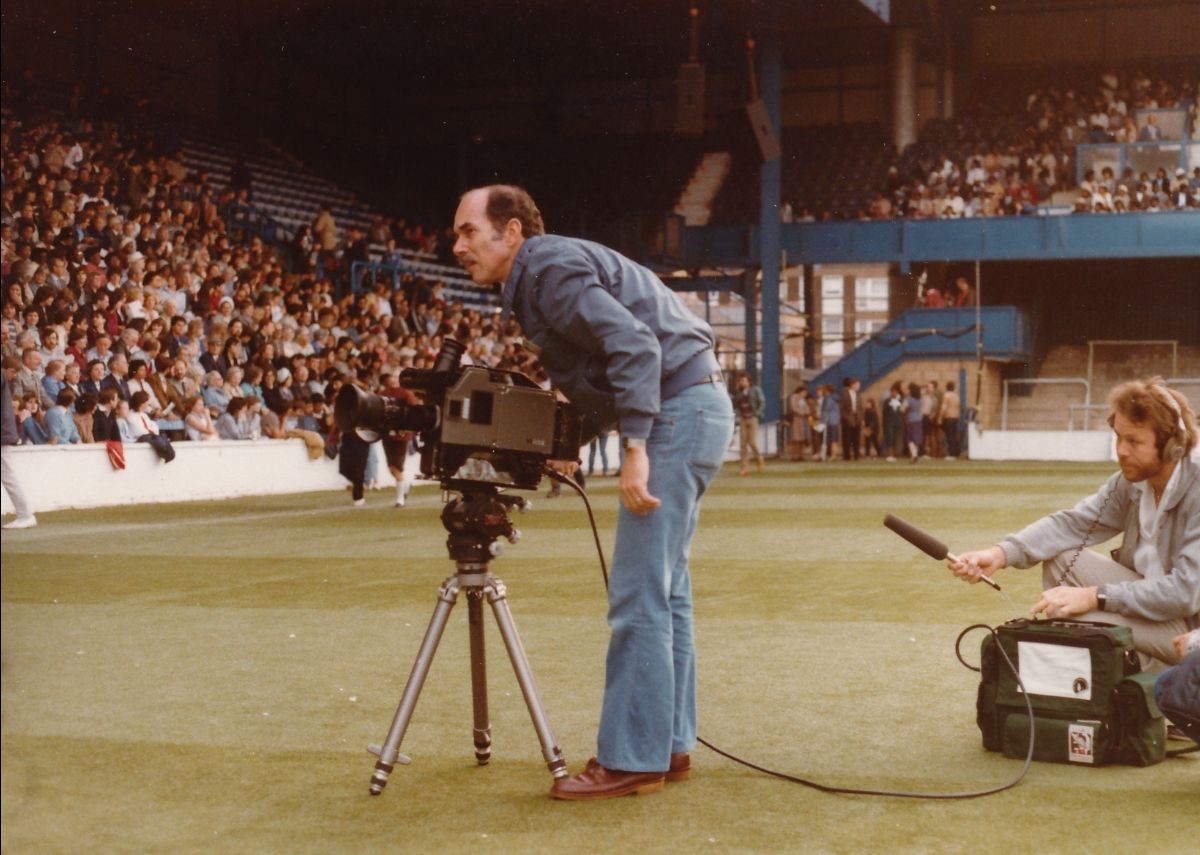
[1176, 233]
[254, 220]
[934, 334]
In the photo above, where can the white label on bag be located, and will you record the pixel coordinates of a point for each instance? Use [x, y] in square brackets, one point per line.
[1057, 670]
[1082, 741]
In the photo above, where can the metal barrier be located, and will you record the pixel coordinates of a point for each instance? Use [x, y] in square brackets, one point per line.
[1172, 343]
[1046, 381]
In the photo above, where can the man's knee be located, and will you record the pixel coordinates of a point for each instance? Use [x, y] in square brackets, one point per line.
[1054, 570]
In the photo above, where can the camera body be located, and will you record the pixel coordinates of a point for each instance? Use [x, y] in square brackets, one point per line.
[478, 425]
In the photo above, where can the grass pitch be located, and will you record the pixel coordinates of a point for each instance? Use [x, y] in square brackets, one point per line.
[205, 677]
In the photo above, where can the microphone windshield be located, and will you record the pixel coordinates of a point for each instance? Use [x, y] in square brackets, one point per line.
[923, 541]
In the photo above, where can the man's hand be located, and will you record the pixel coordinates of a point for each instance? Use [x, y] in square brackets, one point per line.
[1065, 601]
[635, 479]
[566, 468]
[1181, 642]
[972, 566]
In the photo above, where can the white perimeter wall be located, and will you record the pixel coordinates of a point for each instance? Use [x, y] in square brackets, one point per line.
[80, 476]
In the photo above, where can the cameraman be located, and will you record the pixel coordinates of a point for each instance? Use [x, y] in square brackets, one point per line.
[1152, 582]
[625, 351]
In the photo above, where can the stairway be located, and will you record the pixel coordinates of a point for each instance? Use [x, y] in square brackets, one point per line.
[695, 203]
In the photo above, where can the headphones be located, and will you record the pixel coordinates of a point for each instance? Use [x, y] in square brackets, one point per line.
[1175, 447]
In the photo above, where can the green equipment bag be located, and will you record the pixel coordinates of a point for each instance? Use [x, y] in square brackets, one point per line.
[1091, 704]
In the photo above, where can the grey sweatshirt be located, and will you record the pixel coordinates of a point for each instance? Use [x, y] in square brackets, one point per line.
[1176, 593]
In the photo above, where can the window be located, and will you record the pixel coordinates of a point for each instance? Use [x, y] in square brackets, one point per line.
[832, 345]
[864, 329]
[871, 294]
[833, 290]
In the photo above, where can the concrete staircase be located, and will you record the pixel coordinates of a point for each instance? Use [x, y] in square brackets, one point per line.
[1050, 406]
[695, 203]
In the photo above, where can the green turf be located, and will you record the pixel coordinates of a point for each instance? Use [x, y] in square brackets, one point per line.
[205, 677]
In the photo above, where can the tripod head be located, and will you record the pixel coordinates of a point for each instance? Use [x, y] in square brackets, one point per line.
[476, 520]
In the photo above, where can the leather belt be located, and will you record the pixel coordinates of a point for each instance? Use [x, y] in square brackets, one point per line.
[716, 379]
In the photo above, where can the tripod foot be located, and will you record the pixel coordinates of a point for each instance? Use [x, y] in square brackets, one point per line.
[483, 746]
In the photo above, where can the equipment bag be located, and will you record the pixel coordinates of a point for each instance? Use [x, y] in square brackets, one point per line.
[1091, 704]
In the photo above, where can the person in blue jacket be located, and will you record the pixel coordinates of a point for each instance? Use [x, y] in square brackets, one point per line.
[626, 352]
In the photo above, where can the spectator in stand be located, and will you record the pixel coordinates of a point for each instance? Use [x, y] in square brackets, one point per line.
[55, 378]
[28, 380]
[216, 398]
[198, 424]
[964, 294]
[933, 299]
[60, 424]
[231, 425]
[118, 376]
[32, 420]
[85, 406]
[104, 419]
[1150, 131]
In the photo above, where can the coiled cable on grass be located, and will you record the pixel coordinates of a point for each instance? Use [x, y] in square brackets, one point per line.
[828, 788]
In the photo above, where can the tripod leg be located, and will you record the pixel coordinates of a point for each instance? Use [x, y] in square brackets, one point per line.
[390, 750]
[497, 596]
[479, 694]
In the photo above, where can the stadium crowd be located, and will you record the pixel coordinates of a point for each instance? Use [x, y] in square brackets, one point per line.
[132, 307]
[963, 174]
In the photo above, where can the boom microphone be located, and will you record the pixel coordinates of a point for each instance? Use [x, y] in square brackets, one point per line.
[927, 543]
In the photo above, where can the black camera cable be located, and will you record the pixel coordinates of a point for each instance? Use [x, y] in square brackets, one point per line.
[827, 788]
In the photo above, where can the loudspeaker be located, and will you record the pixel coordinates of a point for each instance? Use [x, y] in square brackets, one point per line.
[764, 130]
[689, 99]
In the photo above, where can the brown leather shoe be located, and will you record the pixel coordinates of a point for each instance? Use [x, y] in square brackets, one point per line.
[596, 782]
[681, 767]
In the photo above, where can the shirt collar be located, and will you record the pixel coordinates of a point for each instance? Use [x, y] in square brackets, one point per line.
[508, 294]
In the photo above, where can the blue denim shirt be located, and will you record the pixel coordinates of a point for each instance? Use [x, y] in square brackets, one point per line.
[611, 335]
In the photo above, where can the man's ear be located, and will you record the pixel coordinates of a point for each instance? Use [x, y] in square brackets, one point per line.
[512, 231]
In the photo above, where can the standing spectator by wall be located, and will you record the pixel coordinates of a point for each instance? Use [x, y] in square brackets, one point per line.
[798, 416]
[914, 434]
[929, 420]
[831, 422]
[870, 429]
[749, 405]
[852, 414]
[893, 422]
[10, 436]
[951, 420]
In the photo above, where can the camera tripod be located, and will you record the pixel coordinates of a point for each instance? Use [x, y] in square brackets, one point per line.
[475, 520]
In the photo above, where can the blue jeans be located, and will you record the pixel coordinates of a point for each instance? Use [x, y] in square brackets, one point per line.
[649, 709]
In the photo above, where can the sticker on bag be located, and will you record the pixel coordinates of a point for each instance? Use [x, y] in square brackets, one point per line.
[1056, 670]
[1081, 743]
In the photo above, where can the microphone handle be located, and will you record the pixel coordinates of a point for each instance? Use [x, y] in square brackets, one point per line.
[950, 556]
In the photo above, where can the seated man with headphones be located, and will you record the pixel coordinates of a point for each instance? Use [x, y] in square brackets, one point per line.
[1152, 581]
